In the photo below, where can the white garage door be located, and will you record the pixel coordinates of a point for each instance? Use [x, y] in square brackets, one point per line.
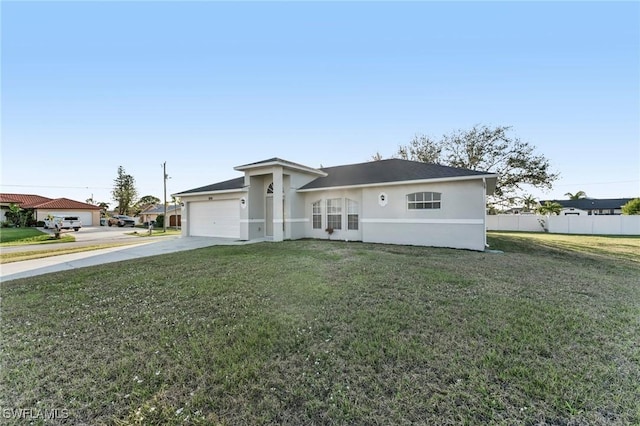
[84, 216]
[219, 218]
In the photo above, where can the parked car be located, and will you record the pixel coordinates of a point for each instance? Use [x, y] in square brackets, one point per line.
[62, 222]
[121, 220]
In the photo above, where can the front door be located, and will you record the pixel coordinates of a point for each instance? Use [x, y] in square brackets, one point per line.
[269, 217]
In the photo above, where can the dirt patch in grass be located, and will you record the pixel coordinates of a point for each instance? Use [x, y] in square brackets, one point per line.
[316, 332]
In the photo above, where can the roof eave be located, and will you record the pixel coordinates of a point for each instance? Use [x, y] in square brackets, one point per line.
[221, 191]
[403, 182]
[282, 163]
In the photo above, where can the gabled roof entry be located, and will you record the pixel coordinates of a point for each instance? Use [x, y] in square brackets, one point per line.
[275, 161]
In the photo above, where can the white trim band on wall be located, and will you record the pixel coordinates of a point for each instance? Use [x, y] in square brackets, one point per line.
[427, 221]
[251, 220]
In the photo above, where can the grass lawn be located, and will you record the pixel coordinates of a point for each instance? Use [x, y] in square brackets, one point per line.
[327, 332]
[39, 254]
[24, 236]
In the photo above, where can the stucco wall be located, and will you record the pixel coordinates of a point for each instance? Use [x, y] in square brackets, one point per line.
[296, 217]
[338, 234]
[255, 209]
[459, 223]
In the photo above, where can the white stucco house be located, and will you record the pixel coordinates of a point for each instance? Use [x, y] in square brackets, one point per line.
[389, 201]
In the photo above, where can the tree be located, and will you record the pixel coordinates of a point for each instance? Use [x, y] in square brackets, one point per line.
[529, 201]
[421, 148]
[103, 206]
[632, 207]
[376, 157]
[577, 196]
[486, 149]
[144, 202]
[550, 207]
[17, 216]
[124, 191]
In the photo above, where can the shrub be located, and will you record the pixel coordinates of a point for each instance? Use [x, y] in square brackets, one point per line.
[160, 221]
[632, 207]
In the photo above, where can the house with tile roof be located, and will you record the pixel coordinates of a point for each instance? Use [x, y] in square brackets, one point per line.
[44, 206]
[389, 201]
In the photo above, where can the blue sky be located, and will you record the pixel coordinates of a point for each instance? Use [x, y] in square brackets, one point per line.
[206, 86]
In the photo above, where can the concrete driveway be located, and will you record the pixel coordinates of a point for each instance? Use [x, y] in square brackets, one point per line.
[144, 248]
[103, 233]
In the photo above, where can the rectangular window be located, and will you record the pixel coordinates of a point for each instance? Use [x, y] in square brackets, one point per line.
[352, 215]
[317, 215]
[334, 213]
[424, 200]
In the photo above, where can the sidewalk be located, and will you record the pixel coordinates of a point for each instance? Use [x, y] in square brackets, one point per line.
[30, 268]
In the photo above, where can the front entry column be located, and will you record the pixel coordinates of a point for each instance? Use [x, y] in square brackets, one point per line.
[278, 211]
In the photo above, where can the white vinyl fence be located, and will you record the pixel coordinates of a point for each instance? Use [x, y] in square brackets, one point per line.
[570, 224]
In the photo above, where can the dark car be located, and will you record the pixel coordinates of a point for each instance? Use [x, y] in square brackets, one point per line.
[121, 220]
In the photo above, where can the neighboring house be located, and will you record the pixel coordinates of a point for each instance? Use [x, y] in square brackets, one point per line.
[388, 201]
[591, 206]
[520, 210]
[174, 213]
[43, 206]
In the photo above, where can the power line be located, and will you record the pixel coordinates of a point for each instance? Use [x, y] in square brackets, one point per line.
[54, 186]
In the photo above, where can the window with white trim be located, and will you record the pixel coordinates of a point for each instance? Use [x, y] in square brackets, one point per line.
[334, 213]
[317, 215]
[353, 211]
[424, 200]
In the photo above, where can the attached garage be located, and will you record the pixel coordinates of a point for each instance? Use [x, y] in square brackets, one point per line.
[86, 217]
[216, 218]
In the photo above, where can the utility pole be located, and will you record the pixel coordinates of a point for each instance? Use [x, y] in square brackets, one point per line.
[164, 172]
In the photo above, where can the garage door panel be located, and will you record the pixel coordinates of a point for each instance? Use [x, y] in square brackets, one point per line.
[85, 217]
[219, 218]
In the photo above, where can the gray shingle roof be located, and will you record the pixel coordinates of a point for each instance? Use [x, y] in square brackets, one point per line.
[159, 209]
[230, 184]
[386, 171]
[371, 172]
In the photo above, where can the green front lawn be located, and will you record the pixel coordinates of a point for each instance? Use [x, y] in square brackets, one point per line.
[25, 236]
[324, 332]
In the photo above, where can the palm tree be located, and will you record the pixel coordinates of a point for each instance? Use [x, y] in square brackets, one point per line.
[577, 196]
[550, 207]
[529, 201]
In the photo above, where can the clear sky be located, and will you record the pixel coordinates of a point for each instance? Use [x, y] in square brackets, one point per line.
[206, 86]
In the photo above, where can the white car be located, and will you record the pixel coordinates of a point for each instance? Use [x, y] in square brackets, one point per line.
[62, 222]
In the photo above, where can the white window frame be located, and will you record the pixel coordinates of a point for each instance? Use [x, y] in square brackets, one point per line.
[334, 210]
[316, 212]
[353, 209]
[424, 200]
